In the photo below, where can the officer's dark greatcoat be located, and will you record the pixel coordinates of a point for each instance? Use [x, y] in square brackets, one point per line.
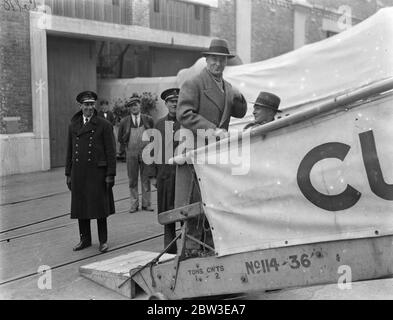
[166, 177]
[91, 156]
[166, 173]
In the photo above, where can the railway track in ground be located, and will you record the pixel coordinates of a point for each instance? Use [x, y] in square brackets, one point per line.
[71, 261]
[46, 219]
[11, 203]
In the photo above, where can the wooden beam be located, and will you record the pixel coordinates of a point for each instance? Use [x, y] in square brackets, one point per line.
[181, 213]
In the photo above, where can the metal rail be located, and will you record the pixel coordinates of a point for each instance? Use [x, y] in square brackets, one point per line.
[51, 218]
[342, 100]
[57, 266]
[47, 196]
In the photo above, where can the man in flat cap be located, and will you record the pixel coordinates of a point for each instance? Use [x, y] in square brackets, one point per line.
[165, 173]
[90, 170]
[265, 109]
[207, 101]
[130, 134]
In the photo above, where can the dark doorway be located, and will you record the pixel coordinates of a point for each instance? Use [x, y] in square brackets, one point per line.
[71, 69]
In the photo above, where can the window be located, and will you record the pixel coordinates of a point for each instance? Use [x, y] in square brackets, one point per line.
[197, 12]
[156, 5]
[330, 34]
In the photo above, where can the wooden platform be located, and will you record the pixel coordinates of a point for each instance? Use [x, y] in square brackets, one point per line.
[111, 273]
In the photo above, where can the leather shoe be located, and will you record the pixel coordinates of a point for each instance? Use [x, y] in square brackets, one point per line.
[147, 208]
[103, 247]
[82, 245]
[133, 210]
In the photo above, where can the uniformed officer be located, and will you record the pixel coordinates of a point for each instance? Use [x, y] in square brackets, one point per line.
[90, 170]
[164, 174]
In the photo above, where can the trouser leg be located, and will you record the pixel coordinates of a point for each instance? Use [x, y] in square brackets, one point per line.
[133, 170]
[84, 229]
[145, 183]
[102, 230]
[134, 201]
[195, 225]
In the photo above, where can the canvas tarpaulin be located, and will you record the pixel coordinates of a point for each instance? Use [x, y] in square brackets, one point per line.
[316, 180]
[272, 205]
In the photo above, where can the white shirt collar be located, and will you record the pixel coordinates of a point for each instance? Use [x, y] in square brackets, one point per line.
[136, 118]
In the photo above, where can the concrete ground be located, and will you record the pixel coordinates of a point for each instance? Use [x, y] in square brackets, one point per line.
[29, 198]
[26, 245]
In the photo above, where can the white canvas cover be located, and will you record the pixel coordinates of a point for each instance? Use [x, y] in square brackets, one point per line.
[266, 207]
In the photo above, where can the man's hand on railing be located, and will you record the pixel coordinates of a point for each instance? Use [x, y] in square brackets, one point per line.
[221, 133]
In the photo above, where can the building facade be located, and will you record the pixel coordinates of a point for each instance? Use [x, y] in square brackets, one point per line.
[52, 49]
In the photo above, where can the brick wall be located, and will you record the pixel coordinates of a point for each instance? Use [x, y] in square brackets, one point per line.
[314, 30]
[223, 22]
[273, 20]
[272, 29]
[140, 13]
[360, 9]
[15, 80]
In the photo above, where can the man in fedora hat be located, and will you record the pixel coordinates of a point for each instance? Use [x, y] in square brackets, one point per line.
[207, 101]
[90, 170]
[164, 173]
[131, 129]
[265, 109]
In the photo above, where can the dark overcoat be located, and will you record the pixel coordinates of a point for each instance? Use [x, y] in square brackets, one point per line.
[166, 173]
[91, 157]
[202, 105]
[109, 116]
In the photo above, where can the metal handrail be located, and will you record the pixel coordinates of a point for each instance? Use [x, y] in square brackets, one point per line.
[322, 107]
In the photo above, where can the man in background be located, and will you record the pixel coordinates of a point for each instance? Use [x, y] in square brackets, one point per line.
[130, 134]
[105, 113]
[164, 174]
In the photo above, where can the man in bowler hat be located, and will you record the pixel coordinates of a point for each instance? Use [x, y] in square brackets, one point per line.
[90, 170]
[265, 109]
[164, 173]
